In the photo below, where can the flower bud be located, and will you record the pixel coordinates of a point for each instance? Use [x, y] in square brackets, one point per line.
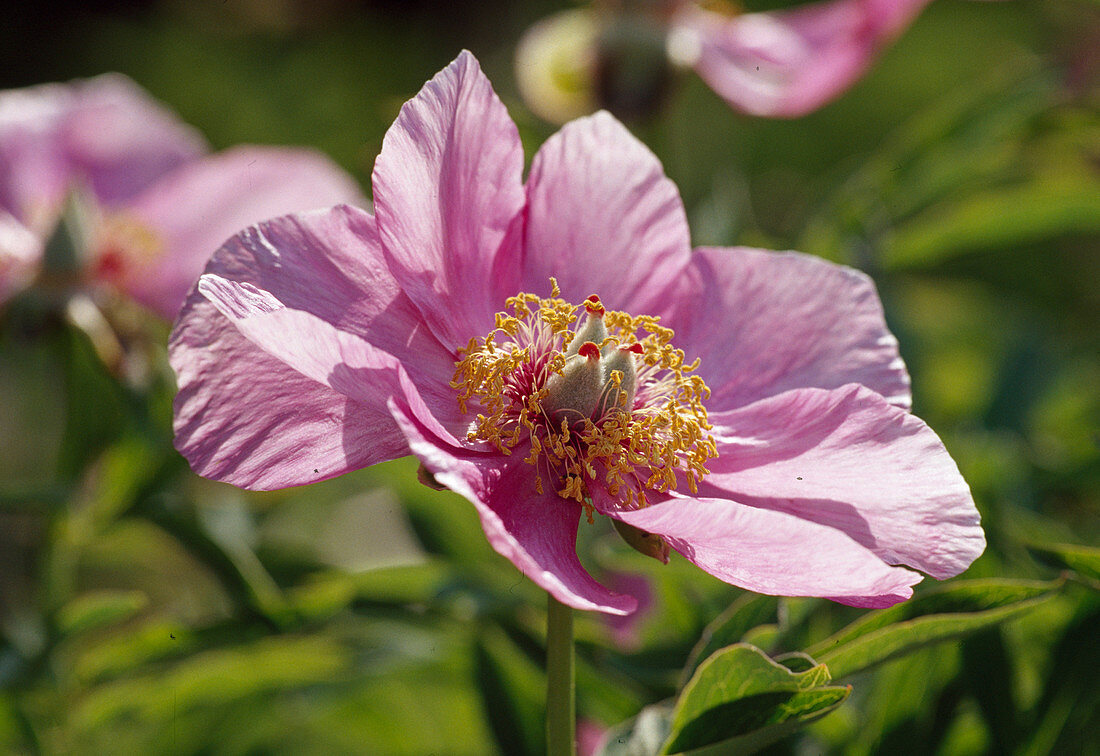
[650, 544]
[555, 65]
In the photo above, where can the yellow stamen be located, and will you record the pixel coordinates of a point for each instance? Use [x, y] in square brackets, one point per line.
[652, 445]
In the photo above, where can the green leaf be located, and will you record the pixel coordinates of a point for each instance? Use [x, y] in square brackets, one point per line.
[89, 425]
[66, 249]
[213, 678]
[739, 690]
[328, 593]
[945, 613]
[1001, 217]
[146, 644]
[729, 627]
[797, 712]
[98, 609]
[512, 690]
[1084, 560]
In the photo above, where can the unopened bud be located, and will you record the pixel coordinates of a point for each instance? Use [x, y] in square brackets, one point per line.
[425, 476]
[650, 544]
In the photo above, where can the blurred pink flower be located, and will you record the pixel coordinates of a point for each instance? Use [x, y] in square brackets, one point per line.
[157, 206]
[324, 342]
[625, 631]
[779, 64]
[787, 63]
[590, 737]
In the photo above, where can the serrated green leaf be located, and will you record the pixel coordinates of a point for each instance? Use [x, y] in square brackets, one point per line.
[945, 613]
[98, 609]
[1084, 560]
[739, 690]
[798, 711]
[796, 661]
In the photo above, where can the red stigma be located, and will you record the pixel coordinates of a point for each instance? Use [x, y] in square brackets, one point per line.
[593, 305]
[636, 348]
[589, 350]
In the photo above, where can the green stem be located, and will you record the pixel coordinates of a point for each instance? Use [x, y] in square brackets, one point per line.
[561, 724]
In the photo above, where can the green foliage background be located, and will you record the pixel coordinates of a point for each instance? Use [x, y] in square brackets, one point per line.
[143, 610]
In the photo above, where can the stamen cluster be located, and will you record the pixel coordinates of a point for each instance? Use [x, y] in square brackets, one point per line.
[652, 432]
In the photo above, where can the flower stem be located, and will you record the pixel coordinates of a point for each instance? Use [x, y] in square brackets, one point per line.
[561, 724]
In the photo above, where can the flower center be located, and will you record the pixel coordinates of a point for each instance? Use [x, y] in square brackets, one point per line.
[606, 397]
[123, 245]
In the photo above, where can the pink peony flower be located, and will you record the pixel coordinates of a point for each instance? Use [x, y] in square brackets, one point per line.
[778, 64]
[787, 63]
[507, 335]
[156, 206]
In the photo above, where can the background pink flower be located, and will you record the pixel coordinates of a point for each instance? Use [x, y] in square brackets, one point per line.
[779, 64]
[157, 206]
[319, 343]
[788, 63]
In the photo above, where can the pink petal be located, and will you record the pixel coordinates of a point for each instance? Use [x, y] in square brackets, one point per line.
[848, 459]
[20, 253]
[321, 414]
[626, 631]
[330, 264]
[196, 208]
[104, 134]
[262, 425]
[244, 415]
[764, 322]
[789, 63]
[773, 552]
[34, 173]
[447, 188]
[121, 140]
[602, 217]
[536, 532]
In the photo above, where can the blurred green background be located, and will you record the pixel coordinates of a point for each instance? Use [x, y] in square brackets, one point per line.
[143, 610]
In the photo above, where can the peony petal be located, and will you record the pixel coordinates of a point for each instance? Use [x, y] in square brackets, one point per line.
[193, 210]
[447, 189]
[773, 552]
[120, 140]
[261, 425]
[848, 459]
[330, 264]
[603, 218]
[243, 415]
[762, 323]
[536, 532]
[308, 404]
[34, 173]
[788, 63]
[104, 134]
